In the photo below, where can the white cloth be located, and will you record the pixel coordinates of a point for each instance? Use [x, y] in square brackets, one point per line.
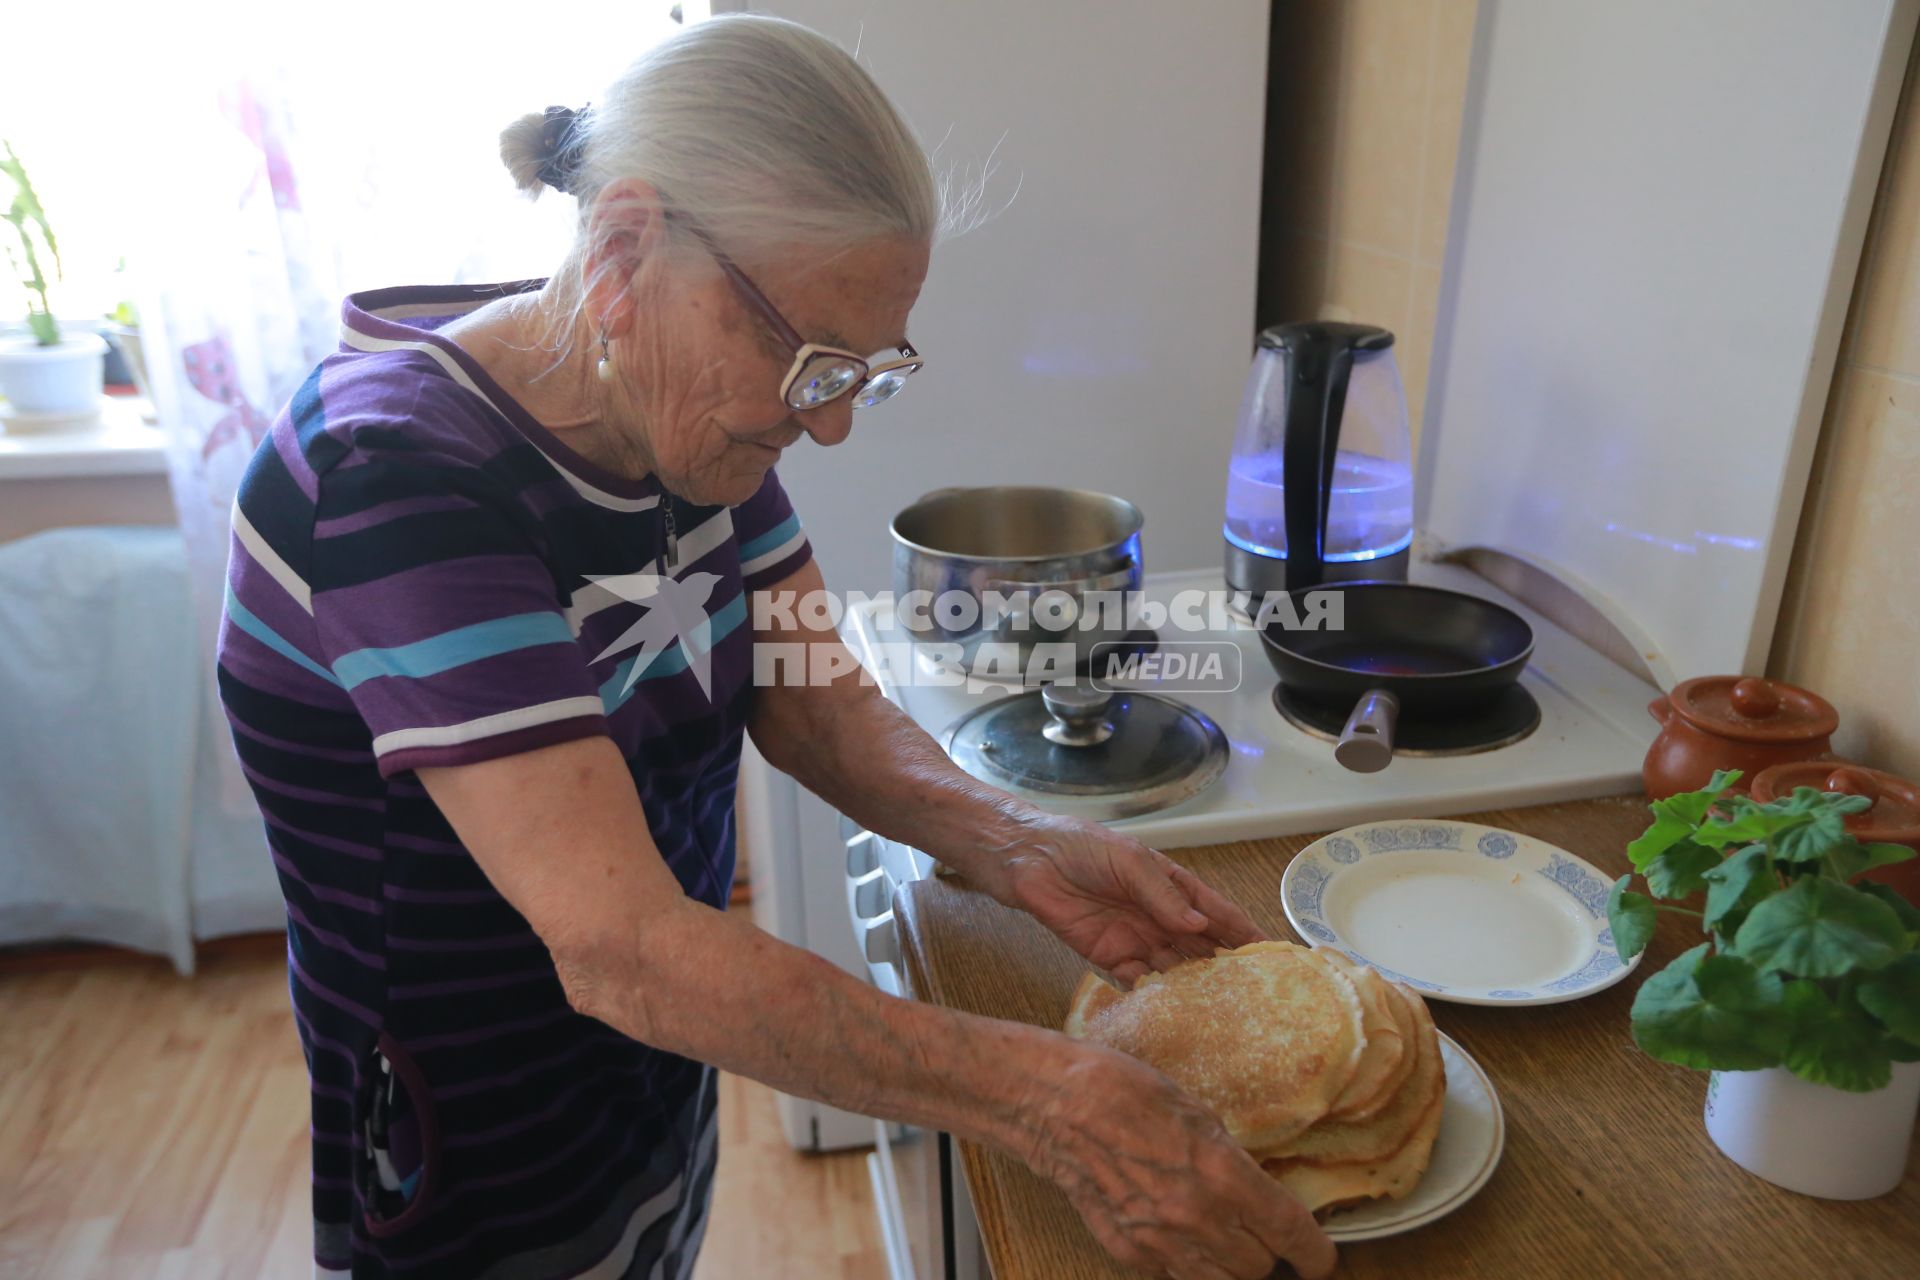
[110, 825]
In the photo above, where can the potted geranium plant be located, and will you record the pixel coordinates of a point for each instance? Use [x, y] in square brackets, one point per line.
[48, 378]
[1804, 1001]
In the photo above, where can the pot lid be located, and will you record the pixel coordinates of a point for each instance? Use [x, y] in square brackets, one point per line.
[1750, 709]
[1094, 754]
[1894, 817]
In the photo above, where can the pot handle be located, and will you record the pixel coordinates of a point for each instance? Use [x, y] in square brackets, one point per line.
[1660, 708]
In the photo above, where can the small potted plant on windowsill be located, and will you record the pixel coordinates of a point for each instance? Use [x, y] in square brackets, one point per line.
[1804, 1002]
[49, 379]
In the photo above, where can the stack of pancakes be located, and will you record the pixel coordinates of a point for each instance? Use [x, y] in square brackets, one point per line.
[1326, 1072]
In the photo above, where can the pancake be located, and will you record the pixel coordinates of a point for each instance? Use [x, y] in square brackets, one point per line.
[1400, 1005]
[1089, 998]
[1324, 1188]
[1373, 1141]
[1379, 1072]
[1267, 1036]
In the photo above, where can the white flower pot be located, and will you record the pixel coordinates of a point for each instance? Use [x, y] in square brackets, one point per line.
[63, 380]
[1813, 1139]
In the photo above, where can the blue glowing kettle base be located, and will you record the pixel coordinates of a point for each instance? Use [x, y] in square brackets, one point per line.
[1258, 574]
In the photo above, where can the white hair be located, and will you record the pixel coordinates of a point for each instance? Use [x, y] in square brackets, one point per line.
[765, 133]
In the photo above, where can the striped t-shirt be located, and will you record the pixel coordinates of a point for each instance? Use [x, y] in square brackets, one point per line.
[422, 575]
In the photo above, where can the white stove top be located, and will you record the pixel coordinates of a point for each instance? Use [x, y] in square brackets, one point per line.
[1594, 730]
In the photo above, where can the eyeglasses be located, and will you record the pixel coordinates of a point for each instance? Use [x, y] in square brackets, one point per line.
[819, 374]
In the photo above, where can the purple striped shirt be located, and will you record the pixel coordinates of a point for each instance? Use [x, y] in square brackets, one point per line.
[422, 575]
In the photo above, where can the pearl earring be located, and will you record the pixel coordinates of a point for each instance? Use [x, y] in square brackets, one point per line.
[604, 369]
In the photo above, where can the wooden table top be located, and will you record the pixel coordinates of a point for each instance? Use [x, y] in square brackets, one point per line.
[1608, 1169]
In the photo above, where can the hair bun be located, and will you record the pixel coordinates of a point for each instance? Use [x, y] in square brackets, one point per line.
[562, 147]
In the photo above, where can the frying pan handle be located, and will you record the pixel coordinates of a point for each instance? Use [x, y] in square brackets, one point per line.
[1366, 744]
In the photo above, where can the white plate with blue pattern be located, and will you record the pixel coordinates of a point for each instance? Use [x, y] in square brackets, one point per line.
[1458, 912]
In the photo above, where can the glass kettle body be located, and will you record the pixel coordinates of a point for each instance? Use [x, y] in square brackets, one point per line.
[1323, 401]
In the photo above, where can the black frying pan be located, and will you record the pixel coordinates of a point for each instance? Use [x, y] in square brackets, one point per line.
[1423, 650]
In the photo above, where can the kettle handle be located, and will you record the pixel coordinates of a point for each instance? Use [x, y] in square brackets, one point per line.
[1661, 708]
[1314, 404]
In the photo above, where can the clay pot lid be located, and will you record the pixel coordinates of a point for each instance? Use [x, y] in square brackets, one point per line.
[1751, 709]
[1895, 816]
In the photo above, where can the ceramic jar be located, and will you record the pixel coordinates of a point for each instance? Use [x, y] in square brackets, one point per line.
[1893, 819]
[1733, 722]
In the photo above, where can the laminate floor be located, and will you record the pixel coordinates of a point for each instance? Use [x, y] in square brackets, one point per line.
[155, 1128]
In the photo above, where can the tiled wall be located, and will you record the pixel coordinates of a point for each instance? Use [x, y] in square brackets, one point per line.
[1363, 127]
[1850, 624]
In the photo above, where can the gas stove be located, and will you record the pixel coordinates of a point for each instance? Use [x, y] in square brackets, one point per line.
[1591, 733]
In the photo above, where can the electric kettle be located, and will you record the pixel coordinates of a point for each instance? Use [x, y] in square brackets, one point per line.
[1320, 487]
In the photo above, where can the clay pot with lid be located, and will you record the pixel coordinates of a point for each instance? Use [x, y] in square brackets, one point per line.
[1733, 722]
[1893, 819]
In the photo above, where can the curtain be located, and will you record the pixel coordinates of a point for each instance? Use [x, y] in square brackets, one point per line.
[253, 166]
[239, 309]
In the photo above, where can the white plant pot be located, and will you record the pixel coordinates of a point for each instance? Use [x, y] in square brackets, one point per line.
[1813, 1139]
[61, 381]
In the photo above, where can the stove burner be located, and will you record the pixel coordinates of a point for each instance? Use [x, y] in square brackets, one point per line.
[1501, 723]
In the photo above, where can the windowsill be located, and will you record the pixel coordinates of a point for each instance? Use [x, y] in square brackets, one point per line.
[123, 443]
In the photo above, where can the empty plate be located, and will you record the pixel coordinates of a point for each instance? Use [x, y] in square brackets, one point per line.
[1458, 912]
[1472, 1134]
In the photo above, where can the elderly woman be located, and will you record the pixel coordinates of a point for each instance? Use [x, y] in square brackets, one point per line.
[488, 656]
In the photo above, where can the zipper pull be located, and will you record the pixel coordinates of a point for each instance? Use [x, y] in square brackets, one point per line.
[673, 540]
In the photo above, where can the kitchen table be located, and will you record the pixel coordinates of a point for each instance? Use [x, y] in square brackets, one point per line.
[1608, 1170]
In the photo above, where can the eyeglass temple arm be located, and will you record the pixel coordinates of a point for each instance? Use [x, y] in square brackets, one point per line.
[748, 289]
[759, 300]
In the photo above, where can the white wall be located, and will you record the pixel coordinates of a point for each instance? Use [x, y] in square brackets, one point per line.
[1097, 332]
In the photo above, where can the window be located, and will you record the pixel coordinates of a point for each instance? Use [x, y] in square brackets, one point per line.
[393, 113]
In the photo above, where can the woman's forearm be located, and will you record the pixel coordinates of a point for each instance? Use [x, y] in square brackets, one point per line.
[864, 756]
[713, 987]
[560, 832]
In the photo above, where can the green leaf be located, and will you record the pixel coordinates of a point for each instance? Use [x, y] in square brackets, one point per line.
[1882, 854]
[1820, 928]
[1801, 827]
[1681, 870]
[1902, 1051]
[1745, 822]
[1833, 1045]
[1730, 983]
[1736, 886]
[1675, 1022]
[1675, 817]
[1665, 833]
[1631, 916]
[1849, 857]
[1893, 996]
[1822, 824]
[1908, 913]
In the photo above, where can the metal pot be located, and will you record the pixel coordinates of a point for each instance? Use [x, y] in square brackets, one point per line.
[1040, 566]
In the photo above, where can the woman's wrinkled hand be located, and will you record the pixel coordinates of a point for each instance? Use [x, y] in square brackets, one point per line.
[1158, 1181]
[1125, 907]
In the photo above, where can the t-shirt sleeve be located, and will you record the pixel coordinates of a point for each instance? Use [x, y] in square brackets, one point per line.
[772, 543]
[436, 613]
